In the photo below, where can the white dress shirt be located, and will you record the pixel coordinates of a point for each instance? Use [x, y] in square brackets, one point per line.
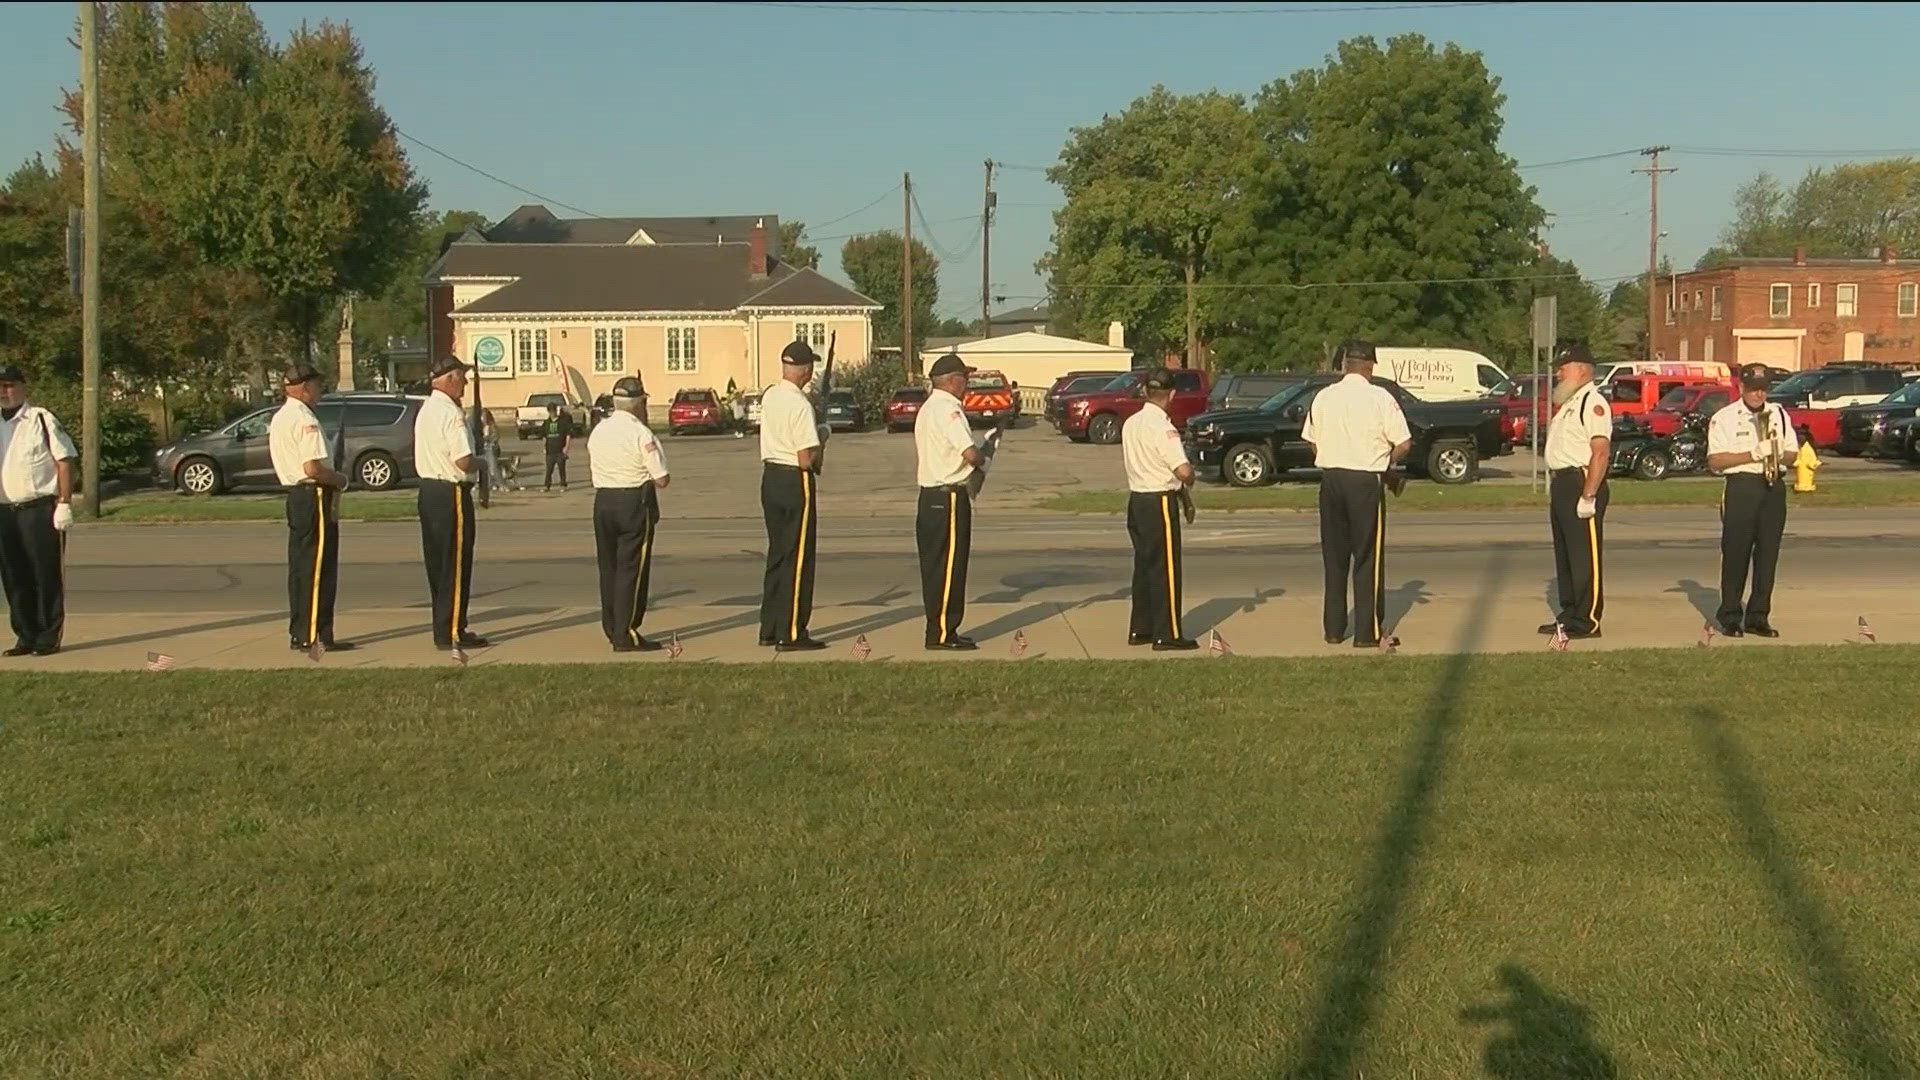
[1354, 425]
[1582, 418]
[787, 425]
[293, 439]
[30, 443]
[440, 438]
[940, 435]
[624, 453]
[1735, 429]
[1150, 445]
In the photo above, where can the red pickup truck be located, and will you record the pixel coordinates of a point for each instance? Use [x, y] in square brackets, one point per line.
[1664, 418]
[1097, 417]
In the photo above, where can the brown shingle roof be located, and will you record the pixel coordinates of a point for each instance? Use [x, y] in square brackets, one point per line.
[564, 278]
[535, 224]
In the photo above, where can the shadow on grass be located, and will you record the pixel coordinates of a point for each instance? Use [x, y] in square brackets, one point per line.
[1547, 1037]
[1858, 1029]
[1351, 988]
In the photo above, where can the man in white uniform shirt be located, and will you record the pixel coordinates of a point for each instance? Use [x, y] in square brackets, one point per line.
[304, 465]
[628, 469]
[1357, 433]
[1158, 474]
[791, 441]
[443, 457]
[1750, 442]
[36, 497]
[1579, 451]
[943, 524]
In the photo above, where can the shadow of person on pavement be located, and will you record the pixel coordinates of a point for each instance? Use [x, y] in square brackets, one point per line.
[1021, 585]
[1546, 1036]
[1204, 617]
[1401, 601]
[1706, 601]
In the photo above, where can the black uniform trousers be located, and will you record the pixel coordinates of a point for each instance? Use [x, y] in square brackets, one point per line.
[446, 541]
[1753, 517]
[623, 525]
[1153, 524]
[1353, 538]
[31, 552]
[787, 500]
[556, 460]
[1577, 551]
[943, 530]
[313, 562]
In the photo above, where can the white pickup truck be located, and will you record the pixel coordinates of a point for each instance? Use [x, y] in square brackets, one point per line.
[531, 418]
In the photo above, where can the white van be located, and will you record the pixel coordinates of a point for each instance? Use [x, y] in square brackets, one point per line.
[1442, 374]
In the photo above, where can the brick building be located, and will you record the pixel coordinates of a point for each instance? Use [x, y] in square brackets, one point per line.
[1792, 313]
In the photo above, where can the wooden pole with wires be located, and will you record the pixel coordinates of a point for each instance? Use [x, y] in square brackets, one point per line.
[1653, 171]
[908, 356]
[986, 253]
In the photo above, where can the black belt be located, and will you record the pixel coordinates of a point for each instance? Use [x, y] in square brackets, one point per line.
[780, 465]
[945, 487]
[648, 486]
[1578, 470]
[24, 503]
[449, 483]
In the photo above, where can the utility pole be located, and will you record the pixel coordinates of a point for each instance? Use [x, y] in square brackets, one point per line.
[986, 251]
[1653, 171]
[907, 356]
[90, 260]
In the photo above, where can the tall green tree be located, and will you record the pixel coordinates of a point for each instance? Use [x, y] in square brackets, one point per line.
[872, 263]
[1146, 192]
[1383, 208]
[1846, 211]
[792, 251]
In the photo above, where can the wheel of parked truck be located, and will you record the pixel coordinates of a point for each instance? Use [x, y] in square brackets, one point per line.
[200, 476]
[1652, 464]
[1453, 463]
[1249, 465]
[376, 471]
[1104, 429]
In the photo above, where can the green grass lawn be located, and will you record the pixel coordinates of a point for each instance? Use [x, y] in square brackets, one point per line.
[157, 507]
[1893, 489]
[1653, 864]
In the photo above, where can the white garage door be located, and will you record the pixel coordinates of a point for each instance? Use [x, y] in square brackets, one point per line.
[1773, 352]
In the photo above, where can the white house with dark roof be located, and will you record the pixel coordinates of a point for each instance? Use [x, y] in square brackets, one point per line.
[574, 308]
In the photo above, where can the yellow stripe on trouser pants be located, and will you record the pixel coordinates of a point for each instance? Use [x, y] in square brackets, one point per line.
[1593, 552]
[1173, 588]
[459, 543]
[319, 558]
[640, 574]
[1379, 559]
[800, 552]
[946, 586]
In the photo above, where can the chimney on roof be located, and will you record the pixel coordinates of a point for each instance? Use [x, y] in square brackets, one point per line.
[1889, 255]
[1117, 335]
[757, 250]
[1800, 255]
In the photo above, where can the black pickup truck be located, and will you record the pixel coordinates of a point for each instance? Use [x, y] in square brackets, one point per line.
[1250, 447]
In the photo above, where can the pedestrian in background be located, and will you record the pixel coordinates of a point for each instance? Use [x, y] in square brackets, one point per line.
[36, 510]
[558, 437]
[1357, 433]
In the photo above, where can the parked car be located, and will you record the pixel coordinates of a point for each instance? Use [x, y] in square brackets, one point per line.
[1864, 428]
[1814, 397]
[750, 412]
[1250, 447]
[904, 406]
[1097, 417]
[530, 419]
[1528, 401]
[1073, 384]
[378, 450]
[1902, 440]
[1442, 374]
[841, 412]
[1638, 452]
[988, 399]
[695, 410]
[1705, 399]
[1632, 395]
[1247, 390]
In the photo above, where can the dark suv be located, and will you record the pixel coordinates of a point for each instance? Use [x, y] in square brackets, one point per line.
[1250, 447]
[1864, 428]
[1247, 390]
[378, 451]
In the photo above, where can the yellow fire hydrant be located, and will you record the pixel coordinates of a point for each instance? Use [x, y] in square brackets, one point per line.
[1803, 465]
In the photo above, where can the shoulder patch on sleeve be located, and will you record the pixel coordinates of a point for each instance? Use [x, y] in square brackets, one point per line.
[1599, 410]
[1172, 434]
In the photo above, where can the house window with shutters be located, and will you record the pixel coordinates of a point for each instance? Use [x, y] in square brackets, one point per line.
[814, 334]
[682, 354]
[609, 350]
[523, 349]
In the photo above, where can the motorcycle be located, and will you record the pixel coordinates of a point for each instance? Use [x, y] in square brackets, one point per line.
[1639, 453]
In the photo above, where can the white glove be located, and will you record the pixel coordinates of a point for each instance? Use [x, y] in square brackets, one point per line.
[63, 517]
[1587, 509]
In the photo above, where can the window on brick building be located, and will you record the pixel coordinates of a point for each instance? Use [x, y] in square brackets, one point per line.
[1846, 301]
[1813, 295]
[1780, 301]
[1909, 299]
[1716, 303]
[1697, 305]
[1706, 350]
[1672, 302]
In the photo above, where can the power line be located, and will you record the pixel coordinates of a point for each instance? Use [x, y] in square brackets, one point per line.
[1306, 285]
[1579, 160]
[422, 143]
[1734, 151]
[915, 9]
[876, 202]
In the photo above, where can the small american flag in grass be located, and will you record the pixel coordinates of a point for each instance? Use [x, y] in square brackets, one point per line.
[1388, 644]
[159, 661]
[1019, 643]
[1560, 640]
[1865, 630]
[316, 650]
[673, 646]
[1217, 645]
[1706, 634]
[861, 650]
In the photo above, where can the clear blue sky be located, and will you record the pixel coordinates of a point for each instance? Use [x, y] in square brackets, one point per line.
[735, 108]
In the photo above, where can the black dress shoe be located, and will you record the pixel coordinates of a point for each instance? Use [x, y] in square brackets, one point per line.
[19, 650]
[1179, 644]
[1762, 629]
[767, 641]
[1335, 639]
[805, 644]
[342, 646]
[958, 644]
[1731, 629]
[1139, 639]
[46, 650]
[643, 645]
[1549, 627]
[472, 641]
